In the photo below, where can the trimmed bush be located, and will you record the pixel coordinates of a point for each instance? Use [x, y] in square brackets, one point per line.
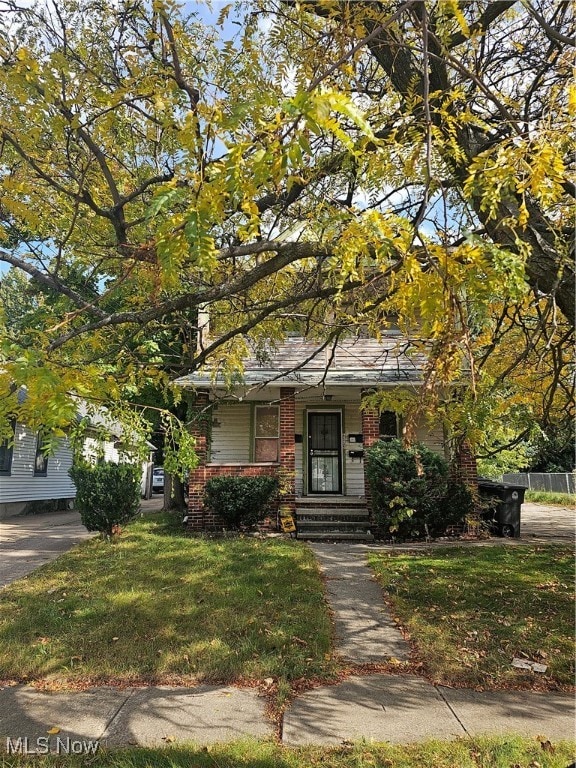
[240, 500]
[106, 495]
[411, 493]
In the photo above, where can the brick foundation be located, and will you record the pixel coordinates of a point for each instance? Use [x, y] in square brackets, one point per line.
[201, 519]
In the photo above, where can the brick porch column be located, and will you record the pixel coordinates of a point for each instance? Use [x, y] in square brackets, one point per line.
[370, 433]
[287, 474]
[199, 428]
[464, 469]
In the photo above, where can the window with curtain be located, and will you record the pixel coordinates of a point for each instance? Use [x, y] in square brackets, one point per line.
[266, 433]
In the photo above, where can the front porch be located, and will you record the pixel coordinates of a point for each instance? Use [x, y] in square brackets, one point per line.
[313, 442]
[315, 447]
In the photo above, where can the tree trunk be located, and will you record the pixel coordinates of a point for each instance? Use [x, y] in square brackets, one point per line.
[174, 500]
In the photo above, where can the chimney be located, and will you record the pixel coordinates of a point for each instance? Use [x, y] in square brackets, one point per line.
[203, 328]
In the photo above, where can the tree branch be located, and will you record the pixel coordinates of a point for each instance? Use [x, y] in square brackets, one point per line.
[286, 253]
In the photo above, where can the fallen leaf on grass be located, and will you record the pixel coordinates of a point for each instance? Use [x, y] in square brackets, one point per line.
[53, 730]
[169, 739]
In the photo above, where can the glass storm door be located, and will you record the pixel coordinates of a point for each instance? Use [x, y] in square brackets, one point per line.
[324, 452]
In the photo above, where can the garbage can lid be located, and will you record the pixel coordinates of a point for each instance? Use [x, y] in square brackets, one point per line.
[503, 486]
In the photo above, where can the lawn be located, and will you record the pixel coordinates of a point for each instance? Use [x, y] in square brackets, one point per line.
[157, 606]
[503, 752]
[550, 497]
[470, 610]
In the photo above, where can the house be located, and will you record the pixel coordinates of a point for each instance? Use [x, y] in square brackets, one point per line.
[297, 414]
[31, 481]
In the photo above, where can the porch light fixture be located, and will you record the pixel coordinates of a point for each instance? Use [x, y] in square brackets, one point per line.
[327, 397]
[216, 423]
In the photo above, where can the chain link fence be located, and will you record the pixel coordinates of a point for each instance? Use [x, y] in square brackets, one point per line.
[557, 482]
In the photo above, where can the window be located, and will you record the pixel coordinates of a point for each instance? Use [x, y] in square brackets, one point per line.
[388, 425]
[6, 448]
[40, 460]
[266, 433]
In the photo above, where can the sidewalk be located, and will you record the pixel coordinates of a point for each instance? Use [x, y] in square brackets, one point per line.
[399, 709]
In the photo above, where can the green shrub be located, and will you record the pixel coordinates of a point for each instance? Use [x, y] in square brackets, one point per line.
[106, 494]
[411, 493]
[240, 500]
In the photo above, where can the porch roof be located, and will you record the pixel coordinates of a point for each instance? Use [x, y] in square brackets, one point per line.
[348, 362]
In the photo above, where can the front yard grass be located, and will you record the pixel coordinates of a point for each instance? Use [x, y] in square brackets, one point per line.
[470, 610]
[158, 605]
[498, 752]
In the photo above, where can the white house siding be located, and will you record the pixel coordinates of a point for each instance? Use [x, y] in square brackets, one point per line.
[231, 434]
[299, 447]
[354, 476]
[432, 437]
[95, 449]
[22, 486]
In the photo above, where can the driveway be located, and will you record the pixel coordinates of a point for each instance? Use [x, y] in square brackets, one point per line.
[29, 541]
[547, 523]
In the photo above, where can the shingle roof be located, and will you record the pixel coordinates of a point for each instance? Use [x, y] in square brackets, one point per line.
[364, 362]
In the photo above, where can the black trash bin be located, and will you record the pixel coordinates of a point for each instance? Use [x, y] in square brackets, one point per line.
[502, 504]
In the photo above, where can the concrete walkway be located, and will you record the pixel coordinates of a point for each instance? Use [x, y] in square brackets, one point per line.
[28, 542]
[395, 708]
[147, 716]
[365, 633]
[401, 708]
[404, 708]
[546, 523]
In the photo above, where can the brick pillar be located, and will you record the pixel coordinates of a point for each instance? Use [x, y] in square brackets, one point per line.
[199, 428]
[370, 433]
[464, 470]
[287, 474]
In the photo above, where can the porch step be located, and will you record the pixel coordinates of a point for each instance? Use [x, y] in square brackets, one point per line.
[333, 524]
[335, 536]
[330, 501]
[329, 514]
[333, 519]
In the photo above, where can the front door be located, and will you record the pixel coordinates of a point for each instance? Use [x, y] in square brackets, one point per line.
[325, 452]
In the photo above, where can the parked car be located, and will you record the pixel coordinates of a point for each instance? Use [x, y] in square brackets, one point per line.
[158, 480]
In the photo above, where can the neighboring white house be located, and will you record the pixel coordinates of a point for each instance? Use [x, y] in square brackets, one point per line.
[32, 482]
[29, 480]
